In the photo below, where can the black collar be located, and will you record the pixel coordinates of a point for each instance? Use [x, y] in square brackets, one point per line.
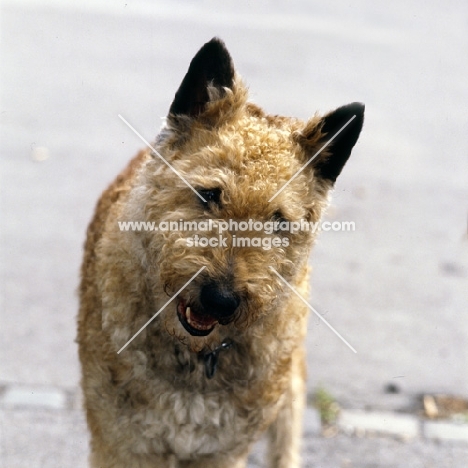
[211, 359]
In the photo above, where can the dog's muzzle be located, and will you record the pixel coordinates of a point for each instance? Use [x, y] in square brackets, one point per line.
[216, 304]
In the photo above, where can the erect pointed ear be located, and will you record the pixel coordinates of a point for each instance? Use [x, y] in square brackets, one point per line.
[212, 66]
[339, 130]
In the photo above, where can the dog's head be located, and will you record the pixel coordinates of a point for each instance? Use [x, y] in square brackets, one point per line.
[224, 160]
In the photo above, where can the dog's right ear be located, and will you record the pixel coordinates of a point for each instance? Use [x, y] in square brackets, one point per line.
[339, 130]
[210, 71]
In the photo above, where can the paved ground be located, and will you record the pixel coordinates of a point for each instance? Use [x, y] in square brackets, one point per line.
[40, 438]
[395, 288]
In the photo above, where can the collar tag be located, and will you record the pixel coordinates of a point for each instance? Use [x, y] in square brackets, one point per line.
[211, 359]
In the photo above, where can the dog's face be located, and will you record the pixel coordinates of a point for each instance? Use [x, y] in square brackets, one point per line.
[232, 163]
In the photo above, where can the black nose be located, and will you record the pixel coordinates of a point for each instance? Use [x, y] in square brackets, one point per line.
[218, 301]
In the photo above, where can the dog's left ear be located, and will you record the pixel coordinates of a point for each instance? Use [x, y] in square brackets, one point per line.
[210, 71]
[342, 126]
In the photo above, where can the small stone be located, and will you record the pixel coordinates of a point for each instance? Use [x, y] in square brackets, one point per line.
[392, 388]
[430, 407]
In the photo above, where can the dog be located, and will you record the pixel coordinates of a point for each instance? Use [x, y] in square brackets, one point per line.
[191, 347]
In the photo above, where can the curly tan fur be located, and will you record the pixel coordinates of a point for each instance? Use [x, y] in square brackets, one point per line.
[152, 405]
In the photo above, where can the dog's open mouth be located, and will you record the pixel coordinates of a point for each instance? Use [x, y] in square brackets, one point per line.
[195, 322]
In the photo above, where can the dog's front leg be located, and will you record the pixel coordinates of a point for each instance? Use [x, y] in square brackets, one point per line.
[284, 435]
[108, 458]
[217, 462]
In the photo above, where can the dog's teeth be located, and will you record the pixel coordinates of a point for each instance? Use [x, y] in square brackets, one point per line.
[187, 315]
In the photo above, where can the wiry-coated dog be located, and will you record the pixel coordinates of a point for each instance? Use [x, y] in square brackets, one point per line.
[222, 362]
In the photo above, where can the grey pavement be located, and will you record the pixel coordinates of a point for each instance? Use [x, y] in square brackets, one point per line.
[47, 438]
[396, 288]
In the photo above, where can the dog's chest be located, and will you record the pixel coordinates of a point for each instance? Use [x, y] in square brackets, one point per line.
[189, 413]
[188, 423]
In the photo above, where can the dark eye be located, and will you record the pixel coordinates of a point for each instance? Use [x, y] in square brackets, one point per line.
[210, 195]
[278, 218]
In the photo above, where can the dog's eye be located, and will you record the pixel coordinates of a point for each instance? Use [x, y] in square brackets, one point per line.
[278, 218]
[210, 195]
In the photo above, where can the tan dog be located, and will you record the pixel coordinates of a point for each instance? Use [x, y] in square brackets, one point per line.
[224, 360]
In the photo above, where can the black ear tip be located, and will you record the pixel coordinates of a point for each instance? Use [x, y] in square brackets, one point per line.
[215, 61]
[343, 126]
[353, 112]
[215, 45]
[211, 66]
[218, 41]
[355, 108]
[359, 107]
[215, 49]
